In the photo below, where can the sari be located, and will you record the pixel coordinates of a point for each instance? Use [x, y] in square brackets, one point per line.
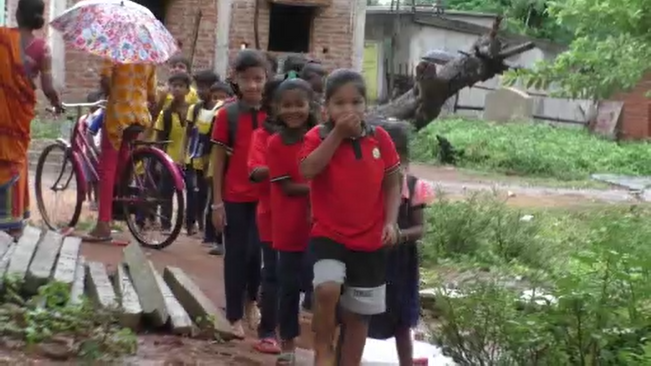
[17, 103]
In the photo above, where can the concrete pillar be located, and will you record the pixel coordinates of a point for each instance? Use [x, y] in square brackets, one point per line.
[224, 12]
[3, 12]
[359, 14]
[57, 47]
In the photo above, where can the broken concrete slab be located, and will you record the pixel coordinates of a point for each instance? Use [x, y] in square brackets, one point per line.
[66, 265]
[99, 286]
[624, 181]
[6, 239]
[196, 303]
[131, 313]
[143, 277]
[77, 290]
[180, 321]
[40, 269]
[24, 252]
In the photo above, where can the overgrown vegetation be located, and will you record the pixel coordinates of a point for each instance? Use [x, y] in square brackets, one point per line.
[51, 326]
[47, 129]
[586, 274]
[538, 150]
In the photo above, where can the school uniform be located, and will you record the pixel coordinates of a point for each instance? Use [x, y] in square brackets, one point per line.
[348, 212]
[172, 125]
[269, 302]
[198, 187]
[291, 230]
[242, 260]
[402, 274]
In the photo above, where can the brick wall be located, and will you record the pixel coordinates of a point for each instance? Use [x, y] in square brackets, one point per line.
[331, 38]
[636, 116]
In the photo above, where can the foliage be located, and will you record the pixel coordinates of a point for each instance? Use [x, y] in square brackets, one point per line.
[587, 271]
[609, 52]
[527, 149]
[73, 330]
[46, 129]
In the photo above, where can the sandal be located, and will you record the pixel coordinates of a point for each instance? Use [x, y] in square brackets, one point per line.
[287, 358]
[238, 331]
[268, 346]
[88, 238]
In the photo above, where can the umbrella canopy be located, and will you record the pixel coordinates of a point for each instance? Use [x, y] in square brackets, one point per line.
[119, 30]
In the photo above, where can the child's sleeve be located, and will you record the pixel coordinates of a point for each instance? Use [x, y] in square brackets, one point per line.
[278, 169]
[387, 151]
[311, 141]
[257, 151]
[424, 193]
[220, 129]
[160, 124]
[190, 114]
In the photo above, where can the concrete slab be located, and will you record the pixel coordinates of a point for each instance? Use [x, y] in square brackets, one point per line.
[77, 290]
[131, 313]
[40, 270]
[66, 265]
[24, 252]
[196, 303]
[99, 287]
[143, 277]
[180, 321]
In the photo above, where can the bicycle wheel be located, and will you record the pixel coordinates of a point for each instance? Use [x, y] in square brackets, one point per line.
[147, 193]
[57, 177]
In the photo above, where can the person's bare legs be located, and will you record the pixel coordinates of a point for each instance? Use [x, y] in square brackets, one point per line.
[355, 332]
[405, 346]
[324, 324]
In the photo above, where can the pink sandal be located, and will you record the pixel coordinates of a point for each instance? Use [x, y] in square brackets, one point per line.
[268, 346]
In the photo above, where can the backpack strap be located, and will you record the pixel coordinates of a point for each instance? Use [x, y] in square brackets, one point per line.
[167, 123]
[232, 117]
[411, 185]
[195, 111]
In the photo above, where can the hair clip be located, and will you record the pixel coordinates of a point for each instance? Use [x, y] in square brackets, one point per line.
[291, 75]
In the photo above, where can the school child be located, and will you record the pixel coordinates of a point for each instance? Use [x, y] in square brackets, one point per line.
[402, 274]
[171, 126]
[290, 206]
[200, 118]
[234, 195]
[221, 92]
[259, 174]
[314, 73]
[273, 63]
[353, 169]
[177, 64]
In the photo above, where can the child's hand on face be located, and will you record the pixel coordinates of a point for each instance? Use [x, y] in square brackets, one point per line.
[349, 125]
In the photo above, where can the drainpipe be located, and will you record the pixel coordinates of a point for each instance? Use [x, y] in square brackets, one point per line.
[359, 13]
[224, 14]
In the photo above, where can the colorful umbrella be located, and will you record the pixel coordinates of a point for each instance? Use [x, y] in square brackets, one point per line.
[119, 30]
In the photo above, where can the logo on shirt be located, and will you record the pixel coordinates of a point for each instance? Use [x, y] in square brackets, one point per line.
[376, 153]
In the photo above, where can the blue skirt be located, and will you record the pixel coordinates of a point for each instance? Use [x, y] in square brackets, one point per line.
[402, 298]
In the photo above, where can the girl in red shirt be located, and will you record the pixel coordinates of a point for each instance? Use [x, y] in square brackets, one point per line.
[290, 205]
[353, 170]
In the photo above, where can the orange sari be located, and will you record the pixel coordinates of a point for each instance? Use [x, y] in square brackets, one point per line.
[17, 102]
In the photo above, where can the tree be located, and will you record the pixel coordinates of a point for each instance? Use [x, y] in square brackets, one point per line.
[610, 51]
[422, 104]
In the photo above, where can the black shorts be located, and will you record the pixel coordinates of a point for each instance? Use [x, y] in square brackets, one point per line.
[362, 274]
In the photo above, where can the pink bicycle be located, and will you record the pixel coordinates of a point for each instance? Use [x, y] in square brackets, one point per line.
[138, 198]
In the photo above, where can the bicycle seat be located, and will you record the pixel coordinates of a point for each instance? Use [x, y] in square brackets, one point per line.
[133, 130]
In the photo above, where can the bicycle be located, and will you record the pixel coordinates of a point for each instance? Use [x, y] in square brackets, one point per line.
[146, 165]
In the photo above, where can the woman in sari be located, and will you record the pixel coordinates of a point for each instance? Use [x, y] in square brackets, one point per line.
[24, 57]
[131, 91]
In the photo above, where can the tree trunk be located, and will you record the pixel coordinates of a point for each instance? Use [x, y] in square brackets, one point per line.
[422, 104]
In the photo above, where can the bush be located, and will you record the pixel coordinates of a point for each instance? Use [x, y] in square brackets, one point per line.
[528, 149]
[593, 265]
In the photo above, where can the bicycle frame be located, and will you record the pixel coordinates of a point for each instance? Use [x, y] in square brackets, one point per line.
[82, 153]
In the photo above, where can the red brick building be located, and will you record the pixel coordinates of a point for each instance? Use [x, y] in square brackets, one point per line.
[635, 122]
[330, 30]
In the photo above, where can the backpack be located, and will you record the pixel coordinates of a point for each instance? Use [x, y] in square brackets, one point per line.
[167, 122]
[233, 111]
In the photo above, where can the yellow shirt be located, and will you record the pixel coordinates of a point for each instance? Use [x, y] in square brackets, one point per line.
[204, 121]
[191, 98]
[176, 148]
[127, 104]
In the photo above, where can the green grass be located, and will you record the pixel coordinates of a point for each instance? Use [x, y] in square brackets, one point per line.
[533, 150]
[46, 129]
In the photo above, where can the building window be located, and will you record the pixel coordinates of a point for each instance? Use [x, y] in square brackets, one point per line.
[290, 28]
[158, 7]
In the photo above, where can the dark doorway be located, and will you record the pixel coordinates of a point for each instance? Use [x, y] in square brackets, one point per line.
[158, 7]
[290, 28]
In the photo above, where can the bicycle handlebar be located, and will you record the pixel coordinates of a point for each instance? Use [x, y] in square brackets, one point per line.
[99, 103]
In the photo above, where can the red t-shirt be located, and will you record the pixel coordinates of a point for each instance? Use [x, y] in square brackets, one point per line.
[347, 196]
[236, 185]
[257, 160]
[291, 219]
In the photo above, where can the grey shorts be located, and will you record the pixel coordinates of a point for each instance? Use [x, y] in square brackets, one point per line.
[362, 275]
